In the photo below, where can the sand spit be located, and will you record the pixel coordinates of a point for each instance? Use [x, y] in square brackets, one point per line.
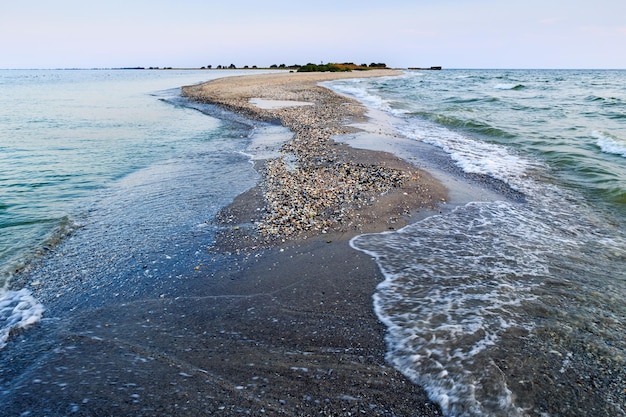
[318, 185]
[262, 327]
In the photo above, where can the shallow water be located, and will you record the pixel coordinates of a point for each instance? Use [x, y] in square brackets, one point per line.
[118, 162]
[511, 307]
[121, 292]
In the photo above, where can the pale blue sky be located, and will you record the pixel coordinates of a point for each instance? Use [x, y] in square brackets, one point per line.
[400, 33]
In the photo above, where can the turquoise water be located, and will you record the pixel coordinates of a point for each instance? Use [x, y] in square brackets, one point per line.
[574, 121]
[515, 306]
[65, 134]
[78, 147]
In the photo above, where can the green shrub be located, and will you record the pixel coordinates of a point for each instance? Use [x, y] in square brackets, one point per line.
[323, 68]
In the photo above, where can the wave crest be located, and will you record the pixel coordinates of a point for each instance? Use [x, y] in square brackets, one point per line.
[509, 86]
[610, 144]
[18, 310]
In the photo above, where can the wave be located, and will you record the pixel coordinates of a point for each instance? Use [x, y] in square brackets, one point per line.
[609, 143]
[356, 89]
[30, 222]
[458, 287]
[618, 196]
[594, 98]
[464, 288]
[509, 86]
[471, 125]
[18, 310]
[472, 100]
[608, 101]
[472, 156]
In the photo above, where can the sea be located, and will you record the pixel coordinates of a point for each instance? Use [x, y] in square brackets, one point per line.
[503, 303]
[511, 306]
[110, 152]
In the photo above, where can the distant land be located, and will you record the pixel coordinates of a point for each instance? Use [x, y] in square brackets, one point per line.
[332, 67]
[425, 69]
[310, 67]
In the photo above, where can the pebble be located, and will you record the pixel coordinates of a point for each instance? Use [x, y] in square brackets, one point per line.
[310, 187]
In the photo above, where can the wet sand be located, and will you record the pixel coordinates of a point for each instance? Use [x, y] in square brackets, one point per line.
[280, 322]
[326, 287]
[319, 185]
[282, 331]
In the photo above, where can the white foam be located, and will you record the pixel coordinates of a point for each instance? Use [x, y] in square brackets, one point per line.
[470, 155]
[462, 286]
[506, 86]
[454, 285]
[610, 143]
[18, 310]
[355, 88]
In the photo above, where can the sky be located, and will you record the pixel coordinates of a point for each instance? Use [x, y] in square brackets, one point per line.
[399, 33]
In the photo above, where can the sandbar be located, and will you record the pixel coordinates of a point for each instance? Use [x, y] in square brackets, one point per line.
[281, 320]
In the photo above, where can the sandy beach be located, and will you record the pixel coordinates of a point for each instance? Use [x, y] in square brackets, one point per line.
[280, 321]
[319, 185]
[318, 284]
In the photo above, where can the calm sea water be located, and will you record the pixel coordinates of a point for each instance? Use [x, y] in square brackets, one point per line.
[110, 153]
[509, 308]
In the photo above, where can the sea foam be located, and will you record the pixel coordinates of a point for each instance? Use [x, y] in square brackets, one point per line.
[18, 310]
[472, 291]
[471, 155]
[610, 144]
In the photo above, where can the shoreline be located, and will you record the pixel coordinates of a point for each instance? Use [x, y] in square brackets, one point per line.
[318, 185]
[316, 114]
[270, 324]
[142, 319]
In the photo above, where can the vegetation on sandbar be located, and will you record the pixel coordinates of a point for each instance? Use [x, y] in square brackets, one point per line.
[345, 67]
[330, 67]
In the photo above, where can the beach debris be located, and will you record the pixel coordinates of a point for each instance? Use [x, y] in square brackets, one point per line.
[320, 196]
[313, 186]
